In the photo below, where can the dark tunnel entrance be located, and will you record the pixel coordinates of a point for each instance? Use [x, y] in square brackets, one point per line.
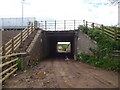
[53, 38]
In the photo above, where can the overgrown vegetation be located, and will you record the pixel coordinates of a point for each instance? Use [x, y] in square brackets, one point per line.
[20, 64]
[102, 56]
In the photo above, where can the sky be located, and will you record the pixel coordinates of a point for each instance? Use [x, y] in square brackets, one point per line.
[63, 42]
[90, 10]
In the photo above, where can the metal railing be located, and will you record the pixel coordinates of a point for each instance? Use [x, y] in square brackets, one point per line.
[64, 25]
[59, 25]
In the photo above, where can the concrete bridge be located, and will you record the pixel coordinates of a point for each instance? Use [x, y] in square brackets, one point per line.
[49, 38]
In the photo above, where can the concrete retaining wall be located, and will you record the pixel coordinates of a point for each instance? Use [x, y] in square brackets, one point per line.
[35, 49]
[84, 42]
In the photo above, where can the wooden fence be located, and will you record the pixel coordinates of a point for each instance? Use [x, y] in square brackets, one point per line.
[111, 32]
[8, 56]
[16, 41]
[10, 66]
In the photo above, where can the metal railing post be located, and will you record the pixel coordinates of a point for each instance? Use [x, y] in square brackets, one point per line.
[41, 25]
[84, 23]
[55, 25]
[74, 24]
[35, 24]
[64, 25]
[45, 25]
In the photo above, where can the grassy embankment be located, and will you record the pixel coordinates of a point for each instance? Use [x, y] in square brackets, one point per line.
[102, 54]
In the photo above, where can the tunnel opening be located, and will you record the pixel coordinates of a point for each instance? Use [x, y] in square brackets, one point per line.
[63, 47]
[60, 44]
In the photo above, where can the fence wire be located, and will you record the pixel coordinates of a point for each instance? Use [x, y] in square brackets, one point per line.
[15, 23]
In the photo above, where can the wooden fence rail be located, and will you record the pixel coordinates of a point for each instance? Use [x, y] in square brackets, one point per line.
[16, 41]
[113, 33]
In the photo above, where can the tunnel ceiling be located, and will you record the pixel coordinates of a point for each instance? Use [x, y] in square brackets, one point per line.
[60, 35]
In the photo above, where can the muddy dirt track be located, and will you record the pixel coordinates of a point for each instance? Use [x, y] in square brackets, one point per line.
[61, 73]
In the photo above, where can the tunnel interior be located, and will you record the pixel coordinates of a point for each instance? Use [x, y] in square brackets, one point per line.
[52, 39]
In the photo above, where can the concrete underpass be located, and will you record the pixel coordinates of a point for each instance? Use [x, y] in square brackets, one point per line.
[46, 44]
[52, 37]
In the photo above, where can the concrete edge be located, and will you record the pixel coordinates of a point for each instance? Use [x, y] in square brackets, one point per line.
[33, 42]
[89, 38]
[26, 60]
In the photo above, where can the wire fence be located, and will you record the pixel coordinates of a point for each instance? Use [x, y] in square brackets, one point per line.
[15, 23]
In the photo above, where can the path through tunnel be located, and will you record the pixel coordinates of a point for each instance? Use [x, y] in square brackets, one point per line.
[52, 39]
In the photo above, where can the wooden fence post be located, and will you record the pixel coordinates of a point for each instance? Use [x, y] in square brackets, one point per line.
[86, 24]
[21, 35]
[3, 50]
[115, 34]
[102, 27]
[93, 26]
[32, 27]
[28, 31]
[12, 45]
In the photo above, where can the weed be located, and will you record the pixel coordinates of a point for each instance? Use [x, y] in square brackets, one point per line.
[26, 70]
[36, 62]
[20, 64]
[83, 28]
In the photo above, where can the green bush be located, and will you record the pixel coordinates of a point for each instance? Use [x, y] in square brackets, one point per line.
[82, 56]
[102, 53]
[102, 62]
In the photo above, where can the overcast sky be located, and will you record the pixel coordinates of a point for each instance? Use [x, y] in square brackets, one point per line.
[90, 10]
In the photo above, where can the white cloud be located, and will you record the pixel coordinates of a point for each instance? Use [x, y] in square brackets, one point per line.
[61, 9]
